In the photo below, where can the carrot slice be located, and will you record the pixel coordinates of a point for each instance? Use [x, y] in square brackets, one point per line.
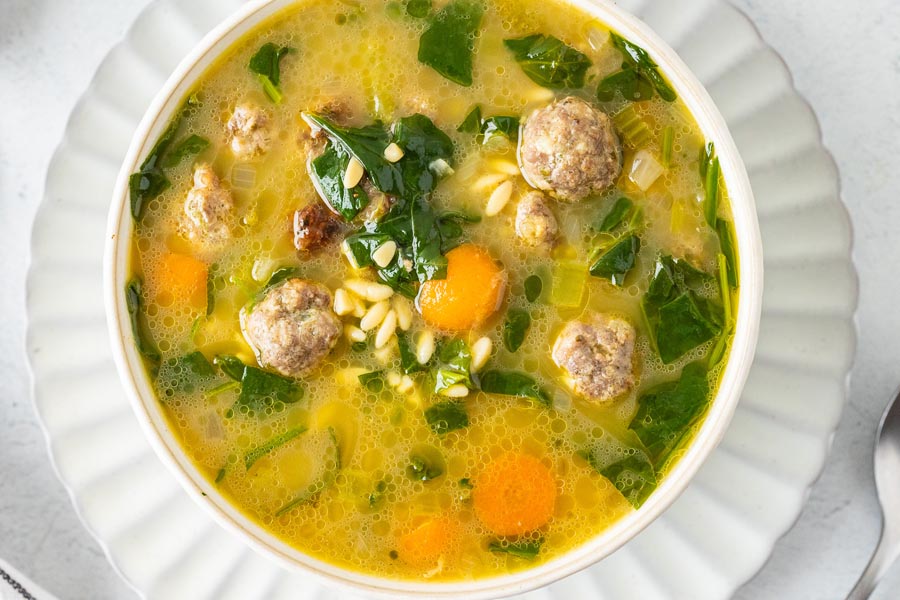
[472, 291]
[424, 545]
[514, 494]
[181, 279]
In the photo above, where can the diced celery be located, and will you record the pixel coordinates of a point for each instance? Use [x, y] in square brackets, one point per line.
[632, 126]
[569, 279]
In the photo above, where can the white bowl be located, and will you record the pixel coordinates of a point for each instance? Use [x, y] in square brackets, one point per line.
[144, 401]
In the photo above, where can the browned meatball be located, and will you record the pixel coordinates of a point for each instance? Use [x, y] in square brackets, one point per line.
[315, 226]
[536, 224]
[208, 209]
[570, 149]
[293, 328]
[597, 355]
[249, 131]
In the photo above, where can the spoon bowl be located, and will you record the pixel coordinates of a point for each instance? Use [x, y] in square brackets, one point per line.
[887, 476]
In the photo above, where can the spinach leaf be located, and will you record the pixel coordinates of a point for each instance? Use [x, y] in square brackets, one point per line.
[327, 174]
[710, 170]
[312, 491]
[534, 285]
[527, 549]
[454, 362]
[513, 383]
[448, 44]
[617, 262]
[189, 146]
[185, 374]
[549, 62]
[428, 261]
[630, 471]
[679, 318]
[210, 290]
[422, 469]
[498, 125]
[278, 276]
[639, 60]
[150, 181]
[418, 9]
[422, 142]
[726, 243]
[376, 496]
[374, 381]
[260, 390]
[447, 416]
[360, 247]
[630, 84]
[230, 365]
[408, 361]
[142, 337]
[266, 63]
[667, 412]
[682, 326]
[515, 328]
[472, 122]
[617, 215]
[271, 445]
[450, 224]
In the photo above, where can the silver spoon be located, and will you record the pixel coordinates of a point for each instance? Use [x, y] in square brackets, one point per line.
[887, 484]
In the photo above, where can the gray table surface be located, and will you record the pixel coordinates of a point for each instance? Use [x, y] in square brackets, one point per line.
[846, 60]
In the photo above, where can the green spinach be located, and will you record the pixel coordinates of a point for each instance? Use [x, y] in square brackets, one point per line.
[615, 264]
[185, 373]
[142, 337]
[628, 83]
[271, 445]
[616, 215]
[327, 174]
[418, 9]
[266, 63]
[629, 470]
[678, 317]
[709, 172]
[667, 412]
[549, 62]
[261, 391]
[515, 328]
[420, 468]
[726, 243]
[454, 361]
[638, 60]
[447, 416]
[526, 549]
[514, 383]
[374, 381]
[448, 45]
[534, 285]
[189, 146]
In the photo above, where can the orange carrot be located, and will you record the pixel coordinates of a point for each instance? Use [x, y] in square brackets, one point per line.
[182, 278]
[424, 545]
[514, 494]
[472, 291]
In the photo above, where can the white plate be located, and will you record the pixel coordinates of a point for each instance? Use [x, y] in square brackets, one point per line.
[712, 539]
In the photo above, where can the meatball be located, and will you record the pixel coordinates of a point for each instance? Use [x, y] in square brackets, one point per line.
[598, 356]
[536, 224]
[293, 328]
[315, 226]
[248, 130]
[570, 149]
[208, 209]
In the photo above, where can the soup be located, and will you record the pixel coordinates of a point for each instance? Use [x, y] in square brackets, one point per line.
[433, 290]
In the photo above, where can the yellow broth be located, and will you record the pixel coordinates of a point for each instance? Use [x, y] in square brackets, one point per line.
[364, 55]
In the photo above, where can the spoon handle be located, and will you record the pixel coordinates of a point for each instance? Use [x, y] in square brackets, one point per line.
[884, 556]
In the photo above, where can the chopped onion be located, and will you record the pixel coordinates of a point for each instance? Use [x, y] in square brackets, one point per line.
[243, 177]
[645, 170]
[441, 168]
